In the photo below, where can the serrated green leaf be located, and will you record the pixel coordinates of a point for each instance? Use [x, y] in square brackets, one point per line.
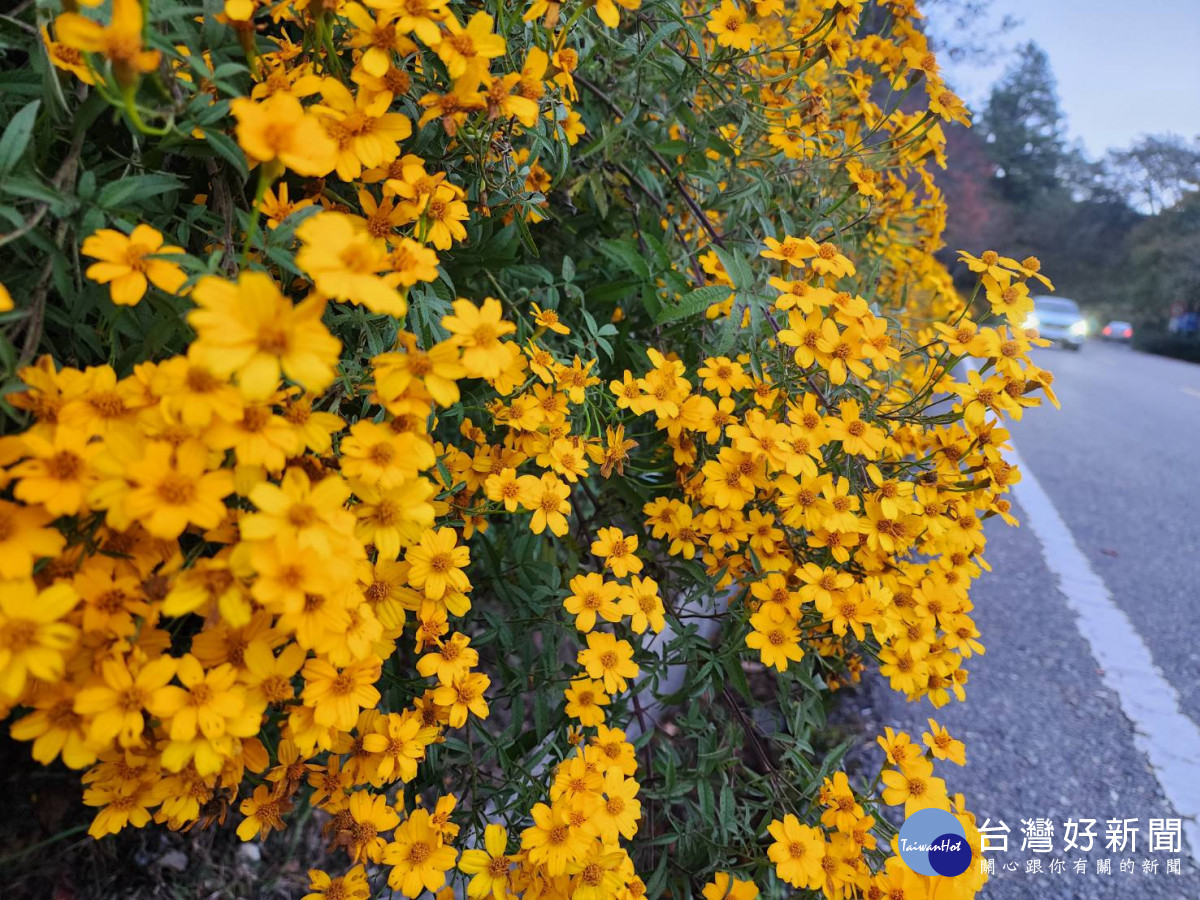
[692, 303]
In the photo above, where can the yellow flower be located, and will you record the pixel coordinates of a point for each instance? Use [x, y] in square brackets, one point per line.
[585, 698]
[797, 852]
[251, 330]
[33, 639]
[351, 886]
[725, 887]
[127, 263]
[938, 740]
[280, 134]
[467, 50]
[776, 640]
[478, 330]
[120, 41]
[608, 13]
[592, 596]
[364, 133]
[263, 811]
[69, 59]
[546, 497]
[417, 857]
[729, 23]
[609, 659]
[24, 538]
[126, 687]
[551, 841]
[488, 867]
[463, 695]
[171, 489]
[314, 513]
[617, 550]
[436, 564]
[58, 473]
[336, 697]
[344, 261]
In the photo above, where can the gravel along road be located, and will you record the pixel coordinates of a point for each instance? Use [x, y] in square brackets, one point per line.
[1086, 703]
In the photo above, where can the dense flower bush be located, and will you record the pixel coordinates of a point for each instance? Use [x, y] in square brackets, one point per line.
[497, 427]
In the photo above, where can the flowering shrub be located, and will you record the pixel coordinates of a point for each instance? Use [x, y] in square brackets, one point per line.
[499, 428]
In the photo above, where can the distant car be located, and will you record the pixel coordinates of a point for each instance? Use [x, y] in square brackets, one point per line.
[1058, 319]
[1116, 330]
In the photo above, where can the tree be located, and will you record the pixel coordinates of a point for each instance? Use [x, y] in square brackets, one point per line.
[1024, 127]
[1156, 171]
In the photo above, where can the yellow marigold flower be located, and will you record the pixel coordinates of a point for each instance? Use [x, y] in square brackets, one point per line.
[436, 563]
[438, 369]
[592, 596]
[345, 262]
[279, 134]
[56, 729]
[394, 518]
[315, 514]
[170, 490]
[776, 640]
[642, 603]
[127, 263]
[915, 787]
[618, 816]
[124, 803]
[264, 813]
[597, 875]
[336, 697]
[585, 698]
[617, 551]
[399, 740]
[725, 887]
[58, 472]
[24, 538]
[277, 206]
[504, 487]
[453, 658]
[463, 695]
[351, 886]
[411, 262]
[729, 22]
[370, 818]
[69, 59]
[608, 12]
[33, 639]
[467, 50]
[938, 740]
[488, 867]
[120, 41]
[365, 133]
[417, 857]
[478, 330]
[126, 687]
[375, 454]
[551, 841]
[548, 318]
[249, 329]
[797, 852]
[609, 659]
[419, 17]
[546, 497]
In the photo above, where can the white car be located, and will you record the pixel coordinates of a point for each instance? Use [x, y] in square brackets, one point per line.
[1058, 319]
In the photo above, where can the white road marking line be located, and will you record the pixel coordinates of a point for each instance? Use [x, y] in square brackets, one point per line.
[1168, 738]
[1190, 390]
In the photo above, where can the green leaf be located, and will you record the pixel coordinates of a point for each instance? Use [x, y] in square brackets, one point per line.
[16, 136]
[738, 268]
[139, 186]
[225, 147]
[624, 253]
[692, 303]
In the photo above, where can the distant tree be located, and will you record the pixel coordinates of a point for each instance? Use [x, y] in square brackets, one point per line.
[1024, 127]
[1165, 264]
[1156, 171]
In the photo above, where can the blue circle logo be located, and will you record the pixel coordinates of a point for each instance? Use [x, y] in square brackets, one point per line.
[933, 842]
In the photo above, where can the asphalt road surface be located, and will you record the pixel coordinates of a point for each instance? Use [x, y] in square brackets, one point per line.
[1076, 712]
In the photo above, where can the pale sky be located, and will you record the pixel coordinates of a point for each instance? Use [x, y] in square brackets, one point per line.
[1124, 69]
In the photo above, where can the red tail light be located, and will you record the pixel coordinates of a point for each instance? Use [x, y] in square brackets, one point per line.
[1128, 332]
[1107, 330]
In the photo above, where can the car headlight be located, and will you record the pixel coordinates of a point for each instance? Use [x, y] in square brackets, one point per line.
[1079, 328]
[1032, 321]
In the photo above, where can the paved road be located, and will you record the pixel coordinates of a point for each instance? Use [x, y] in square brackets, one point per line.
[1046, 734]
